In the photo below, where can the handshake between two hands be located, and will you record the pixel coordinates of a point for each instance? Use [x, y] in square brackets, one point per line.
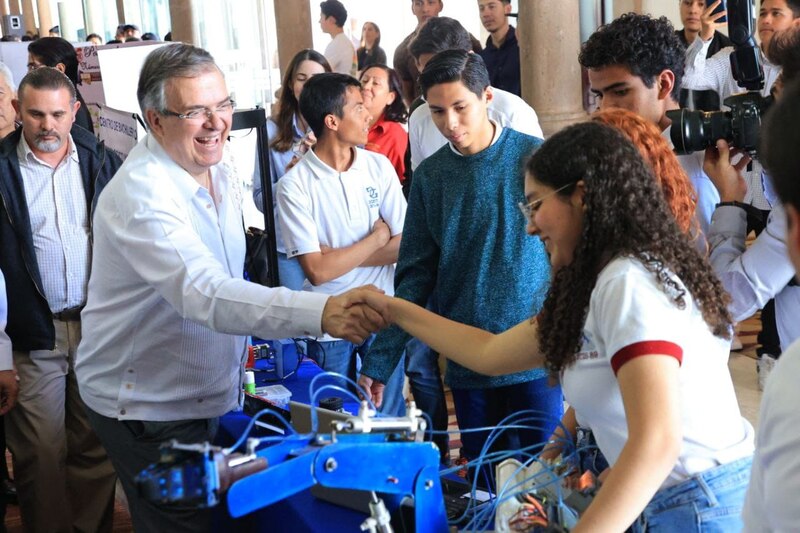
[354, 315]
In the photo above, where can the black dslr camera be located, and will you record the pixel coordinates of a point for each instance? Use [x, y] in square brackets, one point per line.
[696, 130]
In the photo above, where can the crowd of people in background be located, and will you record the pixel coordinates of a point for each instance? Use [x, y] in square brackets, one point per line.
[419, 213]
[125, 33]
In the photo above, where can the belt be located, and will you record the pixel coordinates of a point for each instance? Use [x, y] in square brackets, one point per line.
[73, 314]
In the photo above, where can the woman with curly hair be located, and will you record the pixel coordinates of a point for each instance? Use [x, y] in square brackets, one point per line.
[635, 327]
[383, 98]
[289, 139]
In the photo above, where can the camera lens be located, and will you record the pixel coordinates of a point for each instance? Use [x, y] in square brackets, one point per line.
[693, 131]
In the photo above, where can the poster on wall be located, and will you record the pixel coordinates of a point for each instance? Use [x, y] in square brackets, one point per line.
[120, 130]
[108, 75]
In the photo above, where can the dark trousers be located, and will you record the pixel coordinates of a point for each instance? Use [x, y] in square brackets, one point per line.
[768, 336]
[476, 408]
[132, 446]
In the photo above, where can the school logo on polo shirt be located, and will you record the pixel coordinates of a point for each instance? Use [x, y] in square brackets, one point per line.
[588, 351]
[373, 201]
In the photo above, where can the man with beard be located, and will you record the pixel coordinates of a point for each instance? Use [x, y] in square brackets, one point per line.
[51, 173]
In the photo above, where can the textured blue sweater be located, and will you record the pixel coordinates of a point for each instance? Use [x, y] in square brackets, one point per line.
[464, 243]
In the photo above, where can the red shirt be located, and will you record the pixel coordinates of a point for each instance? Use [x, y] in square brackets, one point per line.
[390, 139]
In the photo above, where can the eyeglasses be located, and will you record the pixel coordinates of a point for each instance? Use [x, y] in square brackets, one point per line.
[528, 210]
[204, 113]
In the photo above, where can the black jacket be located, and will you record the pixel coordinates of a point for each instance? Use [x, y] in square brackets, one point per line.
[30, 322]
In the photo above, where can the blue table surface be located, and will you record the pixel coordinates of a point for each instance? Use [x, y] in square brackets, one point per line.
[298, 383]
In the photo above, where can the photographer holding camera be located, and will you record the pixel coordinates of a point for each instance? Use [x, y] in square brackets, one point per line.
[716, 72]
[763, 271]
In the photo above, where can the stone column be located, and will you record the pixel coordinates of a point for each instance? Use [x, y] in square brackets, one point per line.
[184, 21]
[93, 17]
[4, 8]
[45, 18]
[293, 22]
[551, 75]
[66, 23]
[27, 15]
[13, 7]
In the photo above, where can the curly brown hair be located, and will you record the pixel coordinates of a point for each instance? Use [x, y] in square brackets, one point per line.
[670, 176]
[624, 215]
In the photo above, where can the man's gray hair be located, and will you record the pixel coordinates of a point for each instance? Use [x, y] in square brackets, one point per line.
[176, 60]
[47, 78]
[7, 76]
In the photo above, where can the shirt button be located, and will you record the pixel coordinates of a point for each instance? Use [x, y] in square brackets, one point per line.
[129, 386]
[130, 371]
[200, 400]
[208, 206]
[122, 411]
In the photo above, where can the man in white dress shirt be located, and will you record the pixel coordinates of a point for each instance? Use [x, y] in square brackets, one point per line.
[164, 345]
[51, 173]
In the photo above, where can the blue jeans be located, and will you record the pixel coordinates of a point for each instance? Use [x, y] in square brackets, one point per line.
[290, 273]
[488, 407]
[708, 502]
[425, 378]
[344, 357]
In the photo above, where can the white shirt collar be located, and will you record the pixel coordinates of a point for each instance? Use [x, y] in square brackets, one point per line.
[184, 182]
[24, 150]
[322, 170]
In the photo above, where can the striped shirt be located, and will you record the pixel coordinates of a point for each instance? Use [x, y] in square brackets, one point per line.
[59, 225]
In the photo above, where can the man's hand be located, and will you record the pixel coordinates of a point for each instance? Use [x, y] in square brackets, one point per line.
[709, 22]
[9, 389]
[348, 317]
[373, 388]
[727, 178]
[382, 231]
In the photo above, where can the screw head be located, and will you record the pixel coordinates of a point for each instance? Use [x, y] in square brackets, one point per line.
[331, 464]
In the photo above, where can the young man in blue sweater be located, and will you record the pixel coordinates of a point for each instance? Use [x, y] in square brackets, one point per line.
[465, 245]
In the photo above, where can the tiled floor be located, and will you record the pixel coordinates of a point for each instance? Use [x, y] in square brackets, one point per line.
[742, 365]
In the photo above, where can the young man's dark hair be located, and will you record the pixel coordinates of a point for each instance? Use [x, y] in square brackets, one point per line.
[323, 95]
[440, 34]
[784, 50]
[455, 65]
[335, 9]
[47, 78]
[794, 5]
[54, 50]
[646, 46]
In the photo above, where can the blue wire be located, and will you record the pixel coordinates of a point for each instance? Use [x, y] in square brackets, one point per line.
[249, 427]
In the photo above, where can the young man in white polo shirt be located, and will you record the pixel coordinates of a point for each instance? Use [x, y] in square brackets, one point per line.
[341, 210]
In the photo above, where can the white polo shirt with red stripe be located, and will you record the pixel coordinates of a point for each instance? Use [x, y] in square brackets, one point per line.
[631, 316]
